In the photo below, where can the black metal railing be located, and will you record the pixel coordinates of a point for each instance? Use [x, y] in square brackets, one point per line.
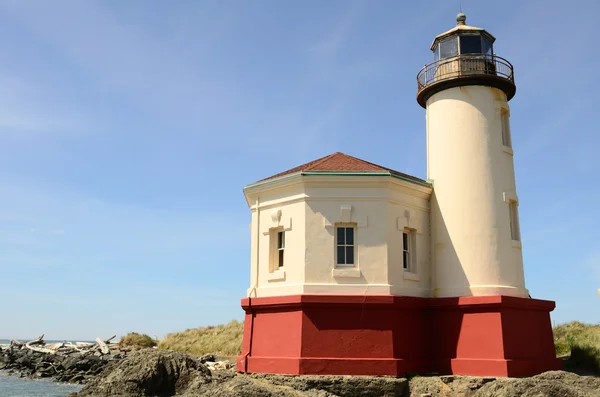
[468, 65]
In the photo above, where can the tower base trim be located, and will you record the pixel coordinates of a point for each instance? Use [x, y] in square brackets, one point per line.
[332, 366]
[495, 368]
[394, 335]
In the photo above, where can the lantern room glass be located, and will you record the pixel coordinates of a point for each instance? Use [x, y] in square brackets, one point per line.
[470, 44]
[463, 43]
[449, 47]
[487, 46]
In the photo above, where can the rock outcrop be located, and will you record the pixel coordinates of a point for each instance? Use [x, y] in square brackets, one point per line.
[547, 384]
[150, 373]
[76, 368]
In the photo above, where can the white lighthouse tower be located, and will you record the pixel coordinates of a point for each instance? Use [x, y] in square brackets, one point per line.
[475, 247]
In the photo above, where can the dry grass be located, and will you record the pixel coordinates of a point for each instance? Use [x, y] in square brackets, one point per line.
[225, 340]
[135, 341]
[581, 343]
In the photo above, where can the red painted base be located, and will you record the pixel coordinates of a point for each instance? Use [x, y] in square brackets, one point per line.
[395, 335]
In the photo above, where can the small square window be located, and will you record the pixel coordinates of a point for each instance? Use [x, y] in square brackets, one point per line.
[345, 248]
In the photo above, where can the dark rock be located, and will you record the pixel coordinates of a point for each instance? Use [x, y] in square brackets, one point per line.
[69, 362]
[148, 373]
[77, 379]
[161, 373]
[24, 361]
[75, 368]
[208, 358]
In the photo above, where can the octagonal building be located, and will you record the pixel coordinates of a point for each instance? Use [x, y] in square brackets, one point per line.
[340, 225]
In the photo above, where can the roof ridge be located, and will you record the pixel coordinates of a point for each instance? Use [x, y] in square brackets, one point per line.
[368, 162]
[342, 162]
[322, 160]
[387, 169]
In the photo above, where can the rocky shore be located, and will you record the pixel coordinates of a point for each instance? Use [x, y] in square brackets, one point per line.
[153, 372]
[163, 373]
[75, 366]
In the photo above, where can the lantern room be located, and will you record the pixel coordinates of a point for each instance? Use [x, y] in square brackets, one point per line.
[464, 55]
[463, 39]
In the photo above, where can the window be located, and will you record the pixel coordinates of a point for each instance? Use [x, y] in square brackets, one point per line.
[408, 250]
[449, 48]
[487, 46]
[515, 234]
[345, 247]
[277, 242]
[470, 44]
[504, 116]
[280, 248]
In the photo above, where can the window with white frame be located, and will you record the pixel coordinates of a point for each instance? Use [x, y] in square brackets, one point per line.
[504, 117]
[515, 233]
[345, 245]
[277, 242]
[408, 250]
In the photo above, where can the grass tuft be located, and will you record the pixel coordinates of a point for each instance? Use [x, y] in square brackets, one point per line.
[581, 343]
[225, 340]
[135, 341]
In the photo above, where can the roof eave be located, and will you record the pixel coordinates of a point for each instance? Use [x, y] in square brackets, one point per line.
[287, 177]
[464, 28]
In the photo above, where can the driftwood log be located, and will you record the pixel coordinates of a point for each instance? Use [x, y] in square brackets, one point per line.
[100, 348]
[103, 347]
[33, 345]
[73, 362]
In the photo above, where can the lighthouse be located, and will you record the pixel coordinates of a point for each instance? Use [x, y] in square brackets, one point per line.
[359, 269]
[476, 241]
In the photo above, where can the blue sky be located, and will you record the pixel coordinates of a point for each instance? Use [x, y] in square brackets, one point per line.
[128, 130]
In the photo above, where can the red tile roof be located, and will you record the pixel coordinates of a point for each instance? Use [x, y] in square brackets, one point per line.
[344, 163]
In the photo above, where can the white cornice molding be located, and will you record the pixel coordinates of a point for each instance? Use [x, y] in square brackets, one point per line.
[411, 189]
[337, 181]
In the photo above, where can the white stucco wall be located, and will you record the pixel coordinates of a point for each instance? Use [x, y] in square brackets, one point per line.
[472, 251]
[323, 212]
[377, 205]
[410, 212]
[281, 209]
